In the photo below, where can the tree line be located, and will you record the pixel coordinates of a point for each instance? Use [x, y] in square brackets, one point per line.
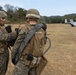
[17, 15]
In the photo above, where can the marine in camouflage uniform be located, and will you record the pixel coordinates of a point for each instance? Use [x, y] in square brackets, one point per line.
[4, 38]
[34, 47]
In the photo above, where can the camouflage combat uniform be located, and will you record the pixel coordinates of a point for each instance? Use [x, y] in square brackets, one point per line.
[34, 47]
[4, 53]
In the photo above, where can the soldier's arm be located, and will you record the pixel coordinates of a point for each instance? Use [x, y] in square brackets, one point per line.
[8, 36]
[18, 41]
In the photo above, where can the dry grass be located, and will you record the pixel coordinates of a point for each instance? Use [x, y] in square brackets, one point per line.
[62, 54]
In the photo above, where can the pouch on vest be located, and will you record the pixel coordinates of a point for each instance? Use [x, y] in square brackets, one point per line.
[41, 65]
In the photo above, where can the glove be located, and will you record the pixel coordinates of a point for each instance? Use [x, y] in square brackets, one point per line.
[8, 29]
[17, 30]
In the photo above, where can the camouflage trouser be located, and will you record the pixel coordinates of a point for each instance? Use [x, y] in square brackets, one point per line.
[3, 62]
[22, 69]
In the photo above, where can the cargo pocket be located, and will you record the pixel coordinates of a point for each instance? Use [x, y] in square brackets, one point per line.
[41, 65]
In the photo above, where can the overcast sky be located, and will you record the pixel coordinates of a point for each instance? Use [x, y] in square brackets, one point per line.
[46, 7]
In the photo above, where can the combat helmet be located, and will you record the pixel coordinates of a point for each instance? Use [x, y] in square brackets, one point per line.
[2, 14]
[33, 13]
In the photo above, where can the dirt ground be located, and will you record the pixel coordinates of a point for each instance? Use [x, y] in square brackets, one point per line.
[62, 54]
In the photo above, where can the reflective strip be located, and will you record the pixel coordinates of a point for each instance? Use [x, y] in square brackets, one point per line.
[32, 15]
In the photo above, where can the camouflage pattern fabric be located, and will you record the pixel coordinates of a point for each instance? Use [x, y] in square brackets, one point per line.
[3, 62]
[33, 13]
[2, 14]
[34, 47]
[4, 53]
[4, 38]
[22, 69]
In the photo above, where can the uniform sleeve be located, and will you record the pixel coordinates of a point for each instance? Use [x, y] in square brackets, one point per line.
[7, 36]
[18, 41]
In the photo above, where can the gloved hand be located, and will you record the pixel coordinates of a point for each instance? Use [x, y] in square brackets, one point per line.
[17, 30]
[8, 29]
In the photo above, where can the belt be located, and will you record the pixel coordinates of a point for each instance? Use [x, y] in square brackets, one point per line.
[34, 62]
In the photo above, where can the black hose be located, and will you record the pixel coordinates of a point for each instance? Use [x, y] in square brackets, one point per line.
[48, 46]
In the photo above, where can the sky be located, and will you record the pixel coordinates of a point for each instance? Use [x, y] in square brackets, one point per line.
[45, 7]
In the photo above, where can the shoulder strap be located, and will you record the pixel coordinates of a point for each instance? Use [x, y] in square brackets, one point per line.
[26, 40]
